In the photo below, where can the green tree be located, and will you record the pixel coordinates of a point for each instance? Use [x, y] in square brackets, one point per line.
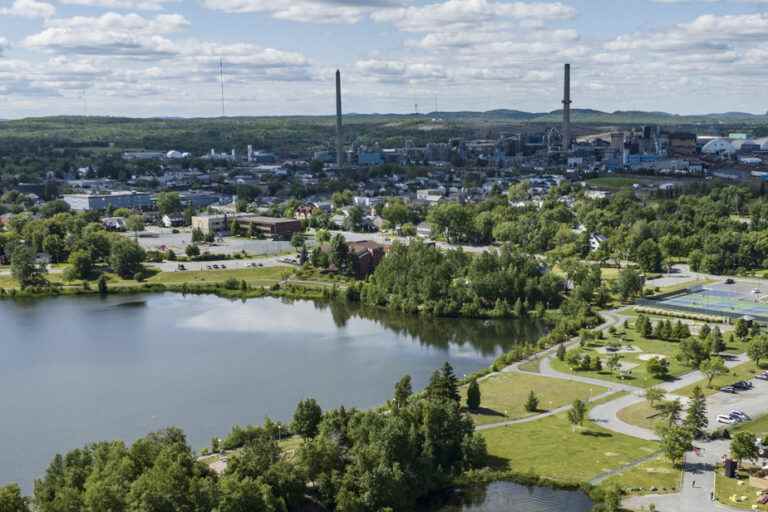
[629, 284]
[577, 413]
[532, 402]
[741, 329]
[403, 391]
[11, 499]
[103, 287]
[126, 257]
[653, 395]
[757, 350]
[696, 417]
[657, 367]
[713, 367]
[675, 442]
[80, 266]
[168, 203]
[744, 447]
[649, 256]
[473, 395]
[560, 354]
[135, 223]
[192, 250]
[24, 268]
[671, 410]
[715, 341]
[306, 418]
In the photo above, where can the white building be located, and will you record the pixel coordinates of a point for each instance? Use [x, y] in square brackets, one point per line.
[718, 147]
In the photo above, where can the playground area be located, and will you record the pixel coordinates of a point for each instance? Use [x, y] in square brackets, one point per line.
[733, 300]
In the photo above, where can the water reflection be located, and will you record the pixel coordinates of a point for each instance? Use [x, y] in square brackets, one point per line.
[488, 337]
[511, 497]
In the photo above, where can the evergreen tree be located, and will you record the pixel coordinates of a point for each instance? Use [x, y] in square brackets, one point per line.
[403, 391]
[561, 351]
[704, 332]
[532, 403]
[473, 396]
[696, 418]
[451, 383]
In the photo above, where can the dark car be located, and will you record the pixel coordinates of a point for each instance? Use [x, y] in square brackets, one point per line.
[743, 384]
[728, 389]
[730, 281]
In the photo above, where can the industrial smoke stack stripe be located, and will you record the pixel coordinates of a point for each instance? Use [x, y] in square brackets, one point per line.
[339, 145]
[567, 110]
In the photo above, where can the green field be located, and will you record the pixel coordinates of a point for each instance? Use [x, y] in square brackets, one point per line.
[726, 488]
[552, 448]
[640, 376]
[640, 414]
[504, 395]
[656, 473]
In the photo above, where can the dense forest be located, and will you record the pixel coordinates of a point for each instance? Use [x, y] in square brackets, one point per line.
[719, 229]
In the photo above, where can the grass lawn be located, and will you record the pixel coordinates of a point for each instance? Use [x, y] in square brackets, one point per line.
[656, 473]
[743, 371]
[533, 366]
[639, 376]
[551, 448]
[640, 414]
[504, 395]
[615, 182]
[679, 286]
[758, 426]
[262, 276]
[727, 488]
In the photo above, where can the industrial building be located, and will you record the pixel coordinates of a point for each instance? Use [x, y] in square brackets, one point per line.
[127, 199]
[274, 227]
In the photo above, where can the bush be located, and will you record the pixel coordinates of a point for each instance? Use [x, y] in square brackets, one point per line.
[232, 284]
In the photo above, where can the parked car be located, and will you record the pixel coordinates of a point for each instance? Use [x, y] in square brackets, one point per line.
[739, 415]
[223, 267]
[729, 281]
[181, 267]
[743, 385]
[723, 418]
[728, 389]
[215, 267]
[762, 376]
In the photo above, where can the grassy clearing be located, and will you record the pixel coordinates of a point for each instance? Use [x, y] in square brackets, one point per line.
[533, 366]
[504, 395]
[262, 276]
[679, 286]
[736, 492]
[657, 473]
[639, 376]
[641, 415]
[743, 371]
[551, 448]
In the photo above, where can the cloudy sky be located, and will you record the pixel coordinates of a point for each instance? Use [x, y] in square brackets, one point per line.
[161, 57]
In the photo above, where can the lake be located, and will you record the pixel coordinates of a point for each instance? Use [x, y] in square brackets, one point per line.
[511, 497]
[80, 369]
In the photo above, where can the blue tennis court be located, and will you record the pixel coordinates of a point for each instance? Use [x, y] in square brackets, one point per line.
[720, 301]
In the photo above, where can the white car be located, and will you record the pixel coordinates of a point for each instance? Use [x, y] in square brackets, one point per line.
[726, 419]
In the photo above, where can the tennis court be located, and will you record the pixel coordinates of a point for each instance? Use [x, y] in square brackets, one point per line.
[717, 301]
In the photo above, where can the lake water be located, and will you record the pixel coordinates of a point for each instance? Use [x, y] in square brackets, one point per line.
[75, 370]
[510, 497]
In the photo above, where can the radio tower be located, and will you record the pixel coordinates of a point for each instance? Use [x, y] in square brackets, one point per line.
[221, 81]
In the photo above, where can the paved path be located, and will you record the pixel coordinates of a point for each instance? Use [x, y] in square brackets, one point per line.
[697, 485]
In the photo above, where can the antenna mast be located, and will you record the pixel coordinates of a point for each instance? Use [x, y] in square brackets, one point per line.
[221, 80]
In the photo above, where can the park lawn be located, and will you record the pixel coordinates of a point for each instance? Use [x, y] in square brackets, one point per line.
[504, 395]
[640, 414]
[639, 376]
[261, 276]
[726, 488]
[743, 371]
[551, 448]
[614, 182]
[533, 366]
[758, 426]
[679, 286]
[656, 473]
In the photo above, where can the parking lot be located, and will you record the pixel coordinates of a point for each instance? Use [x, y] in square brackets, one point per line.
[162, 239]
[753, 402]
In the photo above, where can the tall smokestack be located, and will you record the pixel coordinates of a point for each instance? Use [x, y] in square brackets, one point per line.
[567, 110]
[339, 145]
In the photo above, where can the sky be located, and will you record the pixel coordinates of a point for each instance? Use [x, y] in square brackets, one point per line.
[146, 58]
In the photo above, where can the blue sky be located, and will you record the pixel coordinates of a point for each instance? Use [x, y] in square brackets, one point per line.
[160, 57]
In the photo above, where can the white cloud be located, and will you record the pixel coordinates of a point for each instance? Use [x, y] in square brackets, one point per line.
[142, 5]
[392, 71]
[306, 11]
[109, 34]
[467, 14]
[29, 9]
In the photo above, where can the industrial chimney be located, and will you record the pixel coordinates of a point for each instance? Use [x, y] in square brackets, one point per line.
[567, 110]
[339, 144]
